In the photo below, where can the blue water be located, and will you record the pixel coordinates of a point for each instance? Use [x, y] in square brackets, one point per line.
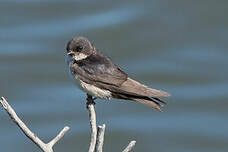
[179, 47]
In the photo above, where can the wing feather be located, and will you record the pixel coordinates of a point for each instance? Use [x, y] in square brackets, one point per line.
[134, 87]
[99, 68]
[100, 71]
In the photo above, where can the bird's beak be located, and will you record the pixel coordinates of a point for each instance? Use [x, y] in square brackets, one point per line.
[70, 53]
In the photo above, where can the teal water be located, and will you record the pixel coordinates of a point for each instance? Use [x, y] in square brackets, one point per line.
[177, 46]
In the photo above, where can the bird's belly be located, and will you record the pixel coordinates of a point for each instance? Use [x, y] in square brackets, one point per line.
[95, 91]
[91, 89]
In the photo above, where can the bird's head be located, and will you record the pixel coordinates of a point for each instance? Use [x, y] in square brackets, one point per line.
[79, 48]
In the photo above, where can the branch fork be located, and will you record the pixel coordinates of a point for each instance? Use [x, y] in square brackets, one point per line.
[45, 147]
[97, 133]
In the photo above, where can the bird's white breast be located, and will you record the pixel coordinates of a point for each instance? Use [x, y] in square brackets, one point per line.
[88, 88]
[95, 91]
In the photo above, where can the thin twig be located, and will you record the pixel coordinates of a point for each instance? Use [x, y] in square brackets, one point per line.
[92, 118]
[43, 146]
[59, 136]
[130, 146]
[100, 138]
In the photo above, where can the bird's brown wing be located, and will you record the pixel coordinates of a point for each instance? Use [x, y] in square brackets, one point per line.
[98, 69]
[101, 73]
[133, 87]
[133, 90]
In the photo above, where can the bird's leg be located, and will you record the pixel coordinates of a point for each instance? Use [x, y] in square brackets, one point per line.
[90, 100]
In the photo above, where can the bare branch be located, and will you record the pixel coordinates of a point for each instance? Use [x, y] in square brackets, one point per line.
[44, 147]
[59, 136]
[97, 134]
[100, 138]
[130, 146]
[92, 118]
[21, 125]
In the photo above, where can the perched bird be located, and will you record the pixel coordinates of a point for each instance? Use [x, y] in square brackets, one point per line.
[95, 74]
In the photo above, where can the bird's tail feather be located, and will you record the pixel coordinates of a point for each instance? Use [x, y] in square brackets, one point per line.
[151, 103]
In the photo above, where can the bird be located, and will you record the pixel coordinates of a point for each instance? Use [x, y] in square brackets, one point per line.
[96, 75]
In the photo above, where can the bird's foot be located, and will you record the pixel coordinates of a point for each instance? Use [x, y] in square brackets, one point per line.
[90, 100]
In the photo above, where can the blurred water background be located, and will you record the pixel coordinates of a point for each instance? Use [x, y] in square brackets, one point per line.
[178, 46]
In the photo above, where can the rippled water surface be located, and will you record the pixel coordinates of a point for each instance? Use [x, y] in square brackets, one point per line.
[177, 46]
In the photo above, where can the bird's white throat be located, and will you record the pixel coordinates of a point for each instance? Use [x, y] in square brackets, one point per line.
[79, 56]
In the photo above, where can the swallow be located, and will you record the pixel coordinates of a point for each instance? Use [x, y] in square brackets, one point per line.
[95, 74]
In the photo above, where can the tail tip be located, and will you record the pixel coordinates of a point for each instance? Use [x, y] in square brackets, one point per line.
[158, 109]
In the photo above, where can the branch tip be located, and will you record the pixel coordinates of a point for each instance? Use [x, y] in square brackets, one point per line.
[130, 146]
[100, 138]
[102, 126]
[4, 103]
[59, 136]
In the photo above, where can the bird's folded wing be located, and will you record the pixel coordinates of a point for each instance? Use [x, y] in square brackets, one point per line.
[92, 74]
[98, 68]
[105, 75]
[133, 87]
[121, 86]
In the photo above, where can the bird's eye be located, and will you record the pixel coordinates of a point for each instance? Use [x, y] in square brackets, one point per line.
[79, 48]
